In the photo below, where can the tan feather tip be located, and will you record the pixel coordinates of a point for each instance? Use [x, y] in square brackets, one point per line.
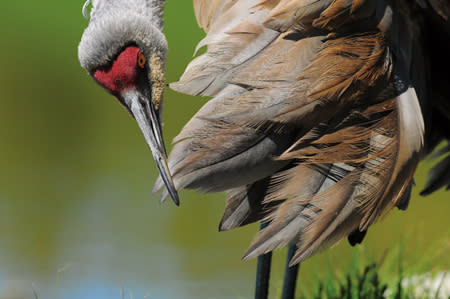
[254, 251]
[225, 224]
[300, 256]
[228, 222]
[164, 196]
[158, 185]
[177, 86]
[294, 261]
[248, 256]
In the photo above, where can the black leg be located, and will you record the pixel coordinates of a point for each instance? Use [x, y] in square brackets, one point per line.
[263, 273]
[290, 275]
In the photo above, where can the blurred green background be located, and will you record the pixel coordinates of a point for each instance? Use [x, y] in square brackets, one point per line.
[77, 216]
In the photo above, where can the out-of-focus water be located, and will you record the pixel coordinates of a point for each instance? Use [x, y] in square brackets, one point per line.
[77, 217]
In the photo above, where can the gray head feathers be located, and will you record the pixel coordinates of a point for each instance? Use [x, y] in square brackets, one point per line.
[114, 25]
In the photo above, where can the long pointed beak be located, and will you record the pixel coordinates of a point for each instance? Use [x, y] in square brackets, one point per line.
[148, 121]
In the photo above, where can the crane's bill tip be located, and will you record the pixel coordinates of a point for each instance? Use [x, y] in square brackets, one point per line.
[175, 198]
[167, 180]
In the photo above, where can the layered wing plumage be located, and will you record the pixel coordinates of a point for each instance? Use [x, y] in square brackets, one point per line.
[315, 122]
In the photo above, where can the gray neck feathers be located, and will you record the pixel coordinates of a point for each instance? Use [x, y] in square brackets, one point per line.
[115, 24]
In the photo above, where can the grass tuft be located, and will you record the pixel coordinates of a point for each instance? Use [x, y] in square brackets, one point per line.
[386, 278]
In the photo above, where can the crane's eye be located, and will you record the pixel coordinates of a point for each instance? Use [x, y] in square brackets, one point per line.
[141, 60]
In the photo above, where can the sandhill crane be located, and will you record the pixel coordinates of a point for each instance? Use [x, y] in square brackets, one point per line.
[321, 109]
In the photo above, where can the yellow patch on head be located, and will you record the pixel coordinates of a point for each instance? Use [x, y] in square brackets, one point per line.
[157, 79]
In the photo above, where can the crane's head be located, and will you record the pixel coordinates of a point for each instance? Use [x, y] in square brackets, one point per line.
[125, 55]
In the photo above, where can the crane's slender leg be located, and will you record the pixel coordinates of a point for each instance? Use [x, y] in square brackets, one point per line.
[290, 275]
[263, 272]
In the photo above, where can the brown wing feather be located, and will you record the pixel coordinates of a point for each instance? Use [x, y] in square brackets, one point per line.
[207, 11]
[363, 184]
[244, 205]
[314, 124]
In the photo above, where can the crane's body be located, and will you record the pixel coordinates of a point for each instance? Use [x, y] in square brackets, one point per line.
[320, 109]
